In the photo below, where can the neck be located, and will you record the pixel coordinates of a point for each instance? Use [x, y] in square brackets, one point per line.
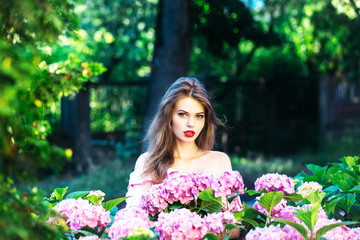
[186, 150]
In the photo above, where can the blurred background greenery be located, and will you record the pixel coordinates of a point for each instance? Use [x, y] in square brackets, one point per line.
[80, 80]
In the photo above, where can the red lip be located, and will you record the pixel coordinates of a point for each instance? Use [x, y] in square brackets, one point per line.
[189, 133]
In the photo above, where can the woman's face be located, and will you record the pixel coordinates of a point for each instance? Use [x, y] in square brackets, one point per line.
[188, 119]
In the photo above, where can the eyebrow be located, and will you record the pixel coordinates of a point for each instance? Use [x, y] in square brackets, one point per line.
[180, 110]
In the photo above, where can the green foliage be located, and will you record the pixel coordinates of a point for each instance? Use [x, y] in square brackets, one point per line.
[24, 215]
[112, 27]
[308, 217]
[31, 83]
[342, 181]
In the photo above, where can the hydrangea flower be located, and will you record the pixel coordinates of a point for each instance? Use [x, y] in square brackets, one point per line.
[180, 224]
[93, 237]
[288, 212]
[235, 205]
[153, 201]
[80, 213]
[185, 187]
[130, 221]
[202, 180]
[215, 221]
[267, 233]
[274, 182]
[227, 183]
[354, 234]
[309, 187]
[179, 186]
[340, 232]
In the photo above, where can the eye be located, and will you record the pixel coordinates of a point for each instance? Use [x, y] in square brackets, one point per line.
[182, 114]
[200, 116]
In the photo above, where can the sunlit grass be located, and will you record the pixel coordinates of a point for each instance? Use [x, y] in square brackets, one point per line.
[111, 178]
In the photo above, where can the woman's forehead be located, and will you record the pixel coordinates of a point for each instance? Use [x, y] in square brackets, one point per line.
[189, 104]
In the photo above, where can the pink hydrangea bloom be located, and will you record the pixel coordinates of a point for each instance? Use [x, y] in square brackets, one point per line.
[202, 180]
[185, 187]
[292, 233]
[275, 211]
[215, 222]
[267, 233]
[128, 220]
[274, 182]
[288, 212]
[354, 233]
[93, 237]
[153, 200]
[80, 213]
[227, 183]
[66, 207]
[179, 186]
[180, 224]
[235, 205]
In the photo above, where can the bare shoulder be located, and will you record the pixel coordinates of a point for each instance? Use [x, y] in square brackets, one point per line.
[220, 160]
[140, 162]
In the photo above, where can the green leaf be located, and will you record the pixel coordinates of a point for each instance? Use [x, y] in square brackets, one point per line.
[112, 203]
[210, 236]
[252, 222]
[175, 205]
[211, 206]
[330, 206]
[252, 192]
[294, 197]
[238, 214]
[300, 228]
[319, 173]
[77, 194]
[327, 228]
[332, 188]
[309, 217]
[270, 200]
[350, 161]
[58, 193]
[86, 233]
[349, 172]
[316, 196]
[96, 200]
[355, 189]
[208, 195]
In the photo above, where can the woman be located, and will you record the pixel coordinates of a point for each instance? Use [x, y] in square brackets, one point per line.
[180, 138]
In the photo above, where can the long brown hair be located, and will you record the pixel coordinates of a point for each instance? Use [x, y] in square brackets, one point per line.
[160, 137]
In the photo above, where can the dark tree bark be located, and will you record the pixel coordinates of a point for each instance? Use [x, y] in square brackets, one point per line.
[75, 118]
[172, 50]
[82, 155]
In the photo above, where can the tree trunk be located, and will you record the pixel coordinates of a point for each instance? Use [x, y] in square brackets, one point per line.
[75, 121]
[172, 50]
[82, 155]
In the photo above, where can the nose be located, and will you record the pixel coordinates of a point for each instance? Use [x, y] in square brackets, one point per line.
[190, 122]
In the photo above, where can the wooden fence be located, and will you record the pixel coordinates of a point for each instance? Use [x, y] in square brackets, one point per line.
[271, 118]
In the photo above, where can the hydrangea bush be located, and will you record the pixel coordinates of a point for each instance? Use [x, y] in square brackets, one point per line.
[204, 206]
